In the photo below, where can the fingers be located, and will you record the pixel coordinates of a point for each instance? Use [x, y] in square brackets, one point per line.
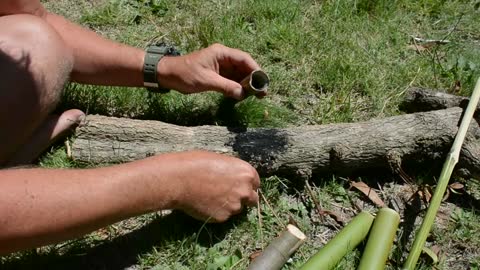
[252, 200]
[255, 180]
[227, 87]
[237, 58]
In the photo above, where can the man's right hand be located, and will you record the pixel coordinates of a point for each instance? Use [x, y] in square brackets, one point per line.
[210, 187]
[44, 206]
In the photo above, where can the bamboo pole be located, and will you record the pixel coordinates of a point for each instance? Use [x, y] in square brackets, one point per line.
[380, 240]
[345, 241]
[279, 251]
[447, 170]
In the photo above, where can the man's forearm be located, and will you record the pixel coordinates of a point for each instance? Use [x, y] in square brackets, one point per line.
[40, 206]
[99, 60]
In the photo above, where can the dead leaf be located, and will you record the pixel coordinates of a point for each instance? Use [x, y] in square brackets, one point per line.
[416, 47]
[422, 47]
[255, 254]
[446, 196]
[333, 215]
[319, 208]
[369, 192]
[456, 185]
[457, 86]
[436, 249]
[427, 194]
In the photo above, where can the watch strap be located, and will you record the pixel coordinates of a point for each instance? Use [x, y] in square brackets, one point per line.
[153, 55]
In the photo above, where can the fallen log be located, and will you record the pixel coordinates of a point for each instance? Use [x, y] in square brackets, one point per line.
[422, 100]
[405, 141]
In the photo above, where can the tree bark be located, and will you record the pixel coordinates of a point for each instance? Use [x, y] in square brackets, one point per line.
[400, 142]
[422, 100]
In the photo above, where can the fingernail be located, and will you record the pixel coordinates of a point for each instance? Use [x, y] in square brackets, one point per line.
[238, 93]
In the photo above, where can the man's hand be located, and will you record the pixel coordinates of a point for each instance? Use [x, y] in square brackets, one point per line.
[217, 68]
[212, 187]
[43, 206]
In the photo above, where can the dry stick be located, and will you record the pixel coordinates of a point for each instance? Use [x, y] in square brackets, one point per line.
[447, 170]
[279, 251]
[260, 227]
[271, 208]
[322, 213]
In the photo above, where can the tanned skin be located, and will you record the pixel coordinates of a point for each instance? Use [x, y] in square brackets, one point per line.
[44, 206]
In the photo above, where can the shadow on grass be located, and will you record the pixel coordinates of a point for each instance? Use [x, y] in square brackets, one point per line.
[123, 251]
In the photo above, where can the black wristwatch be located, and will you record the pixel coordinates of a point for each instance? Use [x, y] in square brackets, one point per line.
[153, 55]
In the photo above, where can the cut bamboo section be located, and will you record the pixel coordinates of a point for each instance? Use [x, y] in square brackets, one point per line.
[380, 240]
[279, 251]
[256, 83]
[345, 241]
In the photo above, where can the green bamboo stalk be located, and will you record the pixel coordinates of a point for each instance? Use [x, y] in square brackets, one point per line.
[380, 240]
[447, 170]
[345, 241]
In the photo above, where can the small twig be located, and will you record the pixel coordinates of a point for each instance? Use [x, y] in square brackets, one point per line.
[68, 149]
[437, 41]
[260, 227]
[321, 211]
[314, 199]
[271, 209]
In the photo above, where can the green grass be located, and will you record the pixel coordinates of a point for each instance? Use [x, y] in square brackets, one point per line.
[329, 61]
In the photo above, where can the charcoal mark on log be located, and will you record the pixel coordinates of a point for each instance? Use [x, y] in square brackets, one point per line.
[260, 147]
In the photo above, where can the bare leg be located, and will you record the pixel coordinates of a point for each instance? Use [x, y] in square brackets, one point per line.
[34, 66]
[52, 129]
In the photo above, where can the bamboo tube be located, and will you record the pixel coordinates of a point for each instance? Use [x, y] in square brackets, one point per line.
[380, 240]
[345, 241]
[256, 83]
[279, 251]
[447, 170]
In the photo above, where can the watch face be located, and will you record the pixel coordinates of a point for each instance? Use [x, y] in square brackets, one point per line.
[173, 52]
[165, 48]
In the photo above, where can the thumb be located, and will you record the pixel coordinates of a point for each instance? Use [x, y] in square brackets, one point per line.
[228, 87]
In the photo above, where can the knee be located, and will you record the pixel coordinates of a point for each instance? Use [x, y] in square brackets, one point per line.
[37, 51]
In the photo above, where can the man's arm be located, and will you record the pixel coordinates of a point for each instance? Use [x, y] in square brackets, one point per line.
[98, 60]
[43, 206]
[101, 61]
